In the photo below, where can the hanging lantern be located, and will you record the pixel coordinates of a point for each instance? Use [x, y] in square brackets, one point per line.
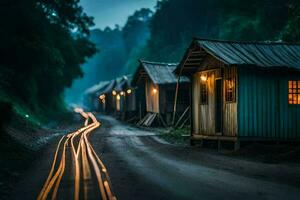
[129, 91]
[114, 93]
[121, 93]
[118, 97]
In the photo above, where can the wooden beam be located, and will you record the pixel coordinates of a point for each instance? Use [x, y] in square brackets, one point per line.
[192, 64]
[194, 59]
[182, 115]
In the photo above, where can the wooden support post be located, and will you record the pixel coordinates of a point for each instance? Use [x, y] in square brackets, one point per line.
[181, 126]
[176, 91]
[175, 100]
[140, 110]
[201, 143]
[183, 114]
[219, 145]
[162, 121]
[236, 145]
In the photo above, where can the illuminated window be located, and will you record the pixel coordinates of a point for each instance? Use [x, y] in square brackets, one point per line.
[294, 92]
[203, 93]
[230, 82]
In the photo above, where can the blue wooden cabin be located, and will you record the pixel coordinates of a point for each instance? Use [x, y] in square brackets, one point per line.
[243, 90]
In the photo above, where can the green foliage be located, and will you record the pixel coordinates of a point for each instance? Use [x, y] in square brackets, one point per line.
[176, 22]
[291, 31]
[136, 30]
[43, 44]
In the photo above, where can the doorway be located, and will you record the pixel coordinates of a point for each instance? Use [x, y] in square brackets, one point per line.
[218, 106]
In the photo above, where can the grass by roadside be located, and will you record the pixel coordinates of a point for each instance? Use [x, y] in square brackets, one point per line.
[23, 134]
[176, 136]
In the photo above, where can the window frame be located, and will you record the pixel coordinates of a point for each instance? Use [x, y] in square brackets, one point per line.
[293, 91]
[230, 76]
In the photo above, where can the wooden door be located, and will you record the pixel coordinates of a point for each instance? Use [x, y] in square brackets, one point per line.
[218, 106]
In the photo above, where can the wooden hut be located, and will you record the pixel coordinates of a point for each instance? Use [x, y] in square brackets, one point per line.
[107, 97]
[155, 92]
[243, 90]
[125, 98]
[91, 100]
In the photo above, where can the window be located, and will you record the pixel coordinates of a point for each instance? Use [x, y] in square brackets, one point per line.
[203, 93]
[230, 85]
[294, 92]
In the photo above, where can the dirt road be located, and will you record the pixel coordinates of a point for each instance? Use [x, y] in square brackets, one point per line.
[142, 166]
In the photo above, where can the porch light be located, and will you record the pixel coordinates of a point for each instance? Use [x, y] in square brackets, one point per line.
[102, 96]
[118, 97]
[129, 91]
[121, 93]
[203, 77]
[114, 93]
[154, 90]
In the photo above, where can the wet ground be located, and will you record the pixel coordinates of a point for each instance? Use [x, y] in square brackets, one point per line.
[143, 166]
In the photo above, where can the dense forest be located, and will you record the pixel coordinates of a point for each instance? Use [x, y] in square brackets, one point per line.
[43, 44]
[175, 22]
[165, 33]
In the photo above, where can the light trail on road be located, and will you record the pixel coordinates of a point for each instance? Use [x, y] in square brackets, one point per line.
[83, 157]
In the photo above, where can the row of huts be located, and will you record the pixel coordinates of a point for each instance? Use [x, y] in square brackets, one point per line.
[147, 96]
[227, 91]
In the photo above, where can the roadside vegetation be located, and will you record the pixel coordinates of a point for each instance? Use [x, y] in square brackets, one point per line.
[43, 44]
[179, 136]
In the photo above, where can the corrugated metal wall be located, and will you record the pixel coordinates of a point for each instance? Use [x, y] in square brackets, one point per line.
[263, 109]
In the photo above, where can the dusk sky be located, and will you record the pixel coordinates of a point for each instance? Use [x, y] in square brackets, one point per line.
[111, 12]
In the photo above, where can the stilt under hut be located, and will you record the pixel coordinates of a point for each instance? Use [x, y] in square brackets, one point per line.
[243, 90]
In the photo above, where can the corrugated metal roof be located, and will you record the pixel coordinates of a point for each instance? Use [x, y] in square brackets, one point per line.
[108, 88]
[263, 54]
[96, 87]
[161, 73]
[121, 83]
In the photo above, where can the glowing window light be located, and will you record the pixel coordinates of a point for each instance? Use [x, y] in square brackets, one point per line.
[118, 97]
[203, 77]
[114, 93]
[129, 91]
[122, 93]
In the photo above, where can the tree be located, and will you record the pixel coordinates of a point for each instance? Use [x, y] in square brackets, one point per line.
[42, 49]
[136, 30]
[291, 32]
